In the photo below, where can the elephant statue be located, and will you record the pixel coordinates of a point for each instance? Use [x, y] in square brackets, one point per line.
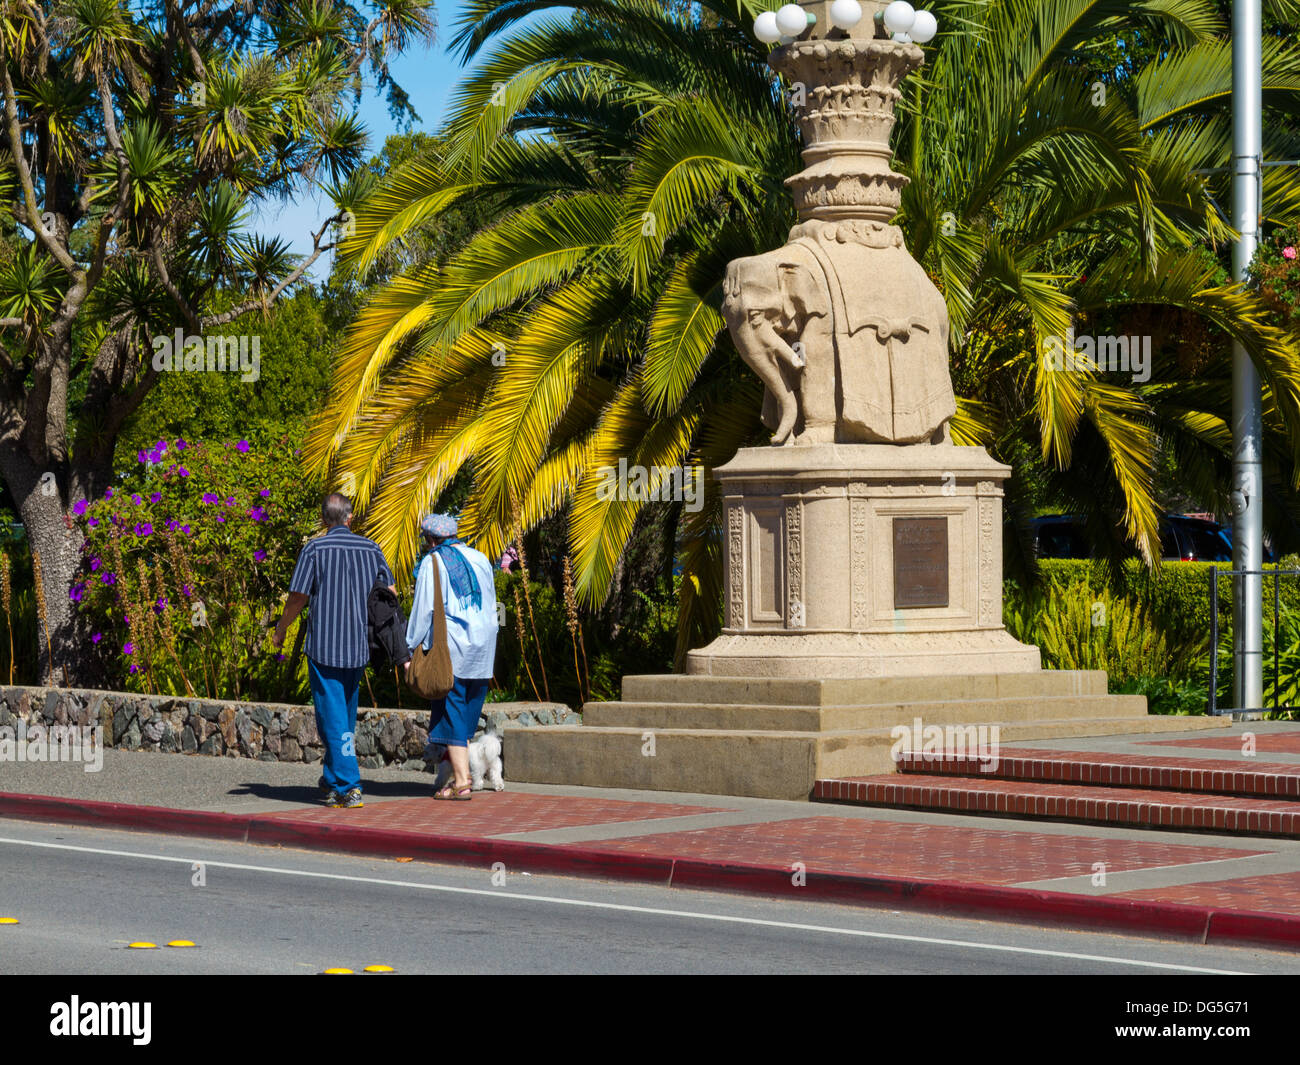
[847, 333]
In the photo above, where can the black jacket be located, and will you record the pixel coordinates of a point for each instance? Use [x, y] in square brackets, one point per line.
[386, 628]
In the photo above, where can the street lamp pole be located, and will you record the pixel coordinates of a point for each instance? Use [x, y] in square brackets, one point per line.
[1247, 477]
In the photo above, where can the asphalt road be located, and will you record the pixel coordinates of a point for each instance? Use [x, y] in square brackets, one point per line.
[82, 895]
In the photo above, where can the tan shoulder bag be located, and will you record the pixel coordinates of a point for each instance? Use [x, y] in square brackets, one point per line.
[431, 676]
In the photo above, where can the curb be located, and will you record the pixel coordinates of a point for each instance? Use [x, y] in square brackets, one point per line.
[1201, 924]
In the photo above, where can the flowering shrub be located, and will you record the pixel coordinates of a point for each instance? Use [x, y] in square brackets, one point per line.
[1276, 270]
[185, 565]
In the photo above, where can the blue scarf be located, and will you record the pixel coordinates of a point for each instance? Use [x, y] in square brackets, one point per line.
[464, 582]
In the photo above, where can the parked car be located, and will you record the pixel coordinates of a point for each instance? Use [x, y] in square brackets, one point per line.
[1182, 538]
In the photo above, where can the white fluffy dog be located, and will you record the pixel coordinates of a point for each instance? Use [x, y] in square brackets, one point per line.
[484, 763]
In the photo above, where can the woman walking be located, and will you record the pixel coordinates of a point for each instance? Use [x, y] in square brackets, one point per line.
[469, 600]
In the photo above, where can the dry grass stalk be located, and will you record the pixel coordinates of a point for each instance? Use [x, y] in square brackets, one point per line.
[517, 516]
[38, 575]
[523, 642]
[7, 597]
[575, 631]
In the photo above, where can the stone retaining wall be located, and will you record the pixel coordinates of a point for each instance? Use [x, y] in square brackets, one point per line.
[273, 732]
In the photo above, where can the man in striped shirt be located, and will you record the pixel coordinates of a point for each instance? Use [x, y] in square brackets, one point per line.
[335, 574]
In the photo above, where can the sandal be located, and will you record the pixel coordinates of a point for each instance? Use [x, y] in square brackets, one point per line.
[454, 793]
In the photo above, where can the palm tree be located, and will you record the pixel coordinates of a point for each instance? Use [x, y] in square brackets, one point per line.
[634, 150]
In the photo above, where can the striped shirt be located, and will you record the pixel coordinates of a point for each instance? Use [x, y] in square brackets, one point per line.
[336, 572]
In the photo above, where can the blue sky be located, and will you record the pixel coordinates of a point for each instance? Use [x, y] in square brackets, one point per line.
[429, 76]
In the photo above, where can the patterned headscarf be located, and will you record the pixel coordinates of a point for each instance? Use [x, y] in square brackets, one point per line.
[463, 580]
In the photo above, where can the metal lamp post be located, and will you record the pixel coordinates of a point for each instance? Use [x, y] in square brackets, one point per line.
[1247, 477]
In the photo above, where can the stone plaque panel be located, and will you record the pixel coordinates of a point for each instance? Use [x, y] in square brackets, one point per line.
[920, 562]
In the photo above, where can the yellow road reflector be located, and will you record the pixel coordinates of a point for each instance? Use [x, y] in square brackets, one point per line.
[406, 859]
[338, 972]
[143, 946]
[380, 969]
[181, 943]
[8, 920]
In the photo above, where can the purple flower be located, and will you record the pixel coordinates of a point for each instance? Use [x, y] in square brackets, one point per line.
[242, 446]
[74, 593]
[161, 446]
[134, 669]
[264, 492]
[92, 522]
[160, 605]
[221, 517]
[128, 647]
[183, 471]
[139, 456]
[156, 498]
[136, 500]
[180, 445]
[209, 497]
[109, 578]
[185, 529]
[230, 501]
[257, 514]
[79, 507]
[97, 637]
[95, 563]
[108, 493]
[173, 524]
[143, 530]
[186, 590]
[258, 556]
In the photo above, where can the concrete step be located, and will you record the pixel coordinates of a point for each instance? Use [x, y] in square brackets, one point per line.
[862, 691]
[1099, 770]
[664, 715]
[1191, 811]
[773, 763]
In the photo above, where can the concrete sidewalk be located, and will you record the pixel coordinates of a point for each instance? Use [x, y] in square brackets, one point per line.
[1207, 888]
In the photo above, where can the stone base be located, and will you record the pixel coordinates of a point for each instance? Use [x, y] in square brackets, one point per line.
[862, 560]
[773, 737]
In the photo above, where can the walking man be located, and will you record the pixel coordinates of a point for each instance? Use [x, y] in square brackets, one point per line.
[335, 573]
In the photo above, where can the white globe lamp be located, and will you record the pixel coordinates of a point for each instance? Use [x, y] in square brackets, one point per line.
[845, 14]
[899, 17]
[792, 20]
[924, 27]
[766, 28]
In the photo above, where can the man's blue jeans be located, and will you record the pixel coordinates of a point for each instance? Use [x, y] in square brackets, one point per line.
[334, 691]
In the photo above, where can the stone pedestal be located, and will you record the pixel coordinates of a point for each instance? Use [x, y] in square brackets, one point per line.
[862, 560]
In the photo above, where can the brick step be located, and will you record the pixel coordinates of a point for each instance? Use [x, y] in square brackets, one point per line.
[1144, 808]
[1202, 775]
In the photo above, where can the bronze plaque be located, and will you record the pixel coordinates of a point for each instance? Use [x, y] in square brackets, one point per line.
[920, 562]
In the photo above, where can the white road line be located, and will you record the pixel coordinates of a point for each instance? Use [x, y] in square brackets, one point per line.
[621, 907]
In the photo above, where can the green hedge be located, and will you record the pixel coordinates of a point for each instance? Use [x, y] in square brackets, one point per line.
[1177, 594]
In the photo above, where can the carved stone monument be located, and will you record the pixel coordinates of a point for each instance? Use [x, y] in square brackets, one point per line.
[863, 549]
[864, 543]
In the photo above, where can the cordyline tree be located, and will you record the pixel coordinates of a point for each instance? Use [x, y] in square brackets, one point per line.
[134, 140]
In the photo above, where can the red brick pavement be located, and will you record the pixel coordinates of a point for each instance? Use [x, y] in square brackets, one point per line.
[926, 852]
[1129, 806]
[493, 813]
[1275, 893]
[1268, 742]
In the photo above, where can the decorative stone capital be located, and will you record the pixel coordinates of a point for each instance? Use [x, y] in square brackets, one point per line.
[844, 92]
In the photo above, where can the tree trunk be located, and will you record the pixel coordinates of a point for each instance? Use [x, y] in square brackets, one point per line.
[55, 540]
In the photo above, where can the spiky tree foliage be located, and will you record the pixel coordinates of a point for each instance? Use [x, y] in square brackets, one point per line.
[635, 149]
[135, 139]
